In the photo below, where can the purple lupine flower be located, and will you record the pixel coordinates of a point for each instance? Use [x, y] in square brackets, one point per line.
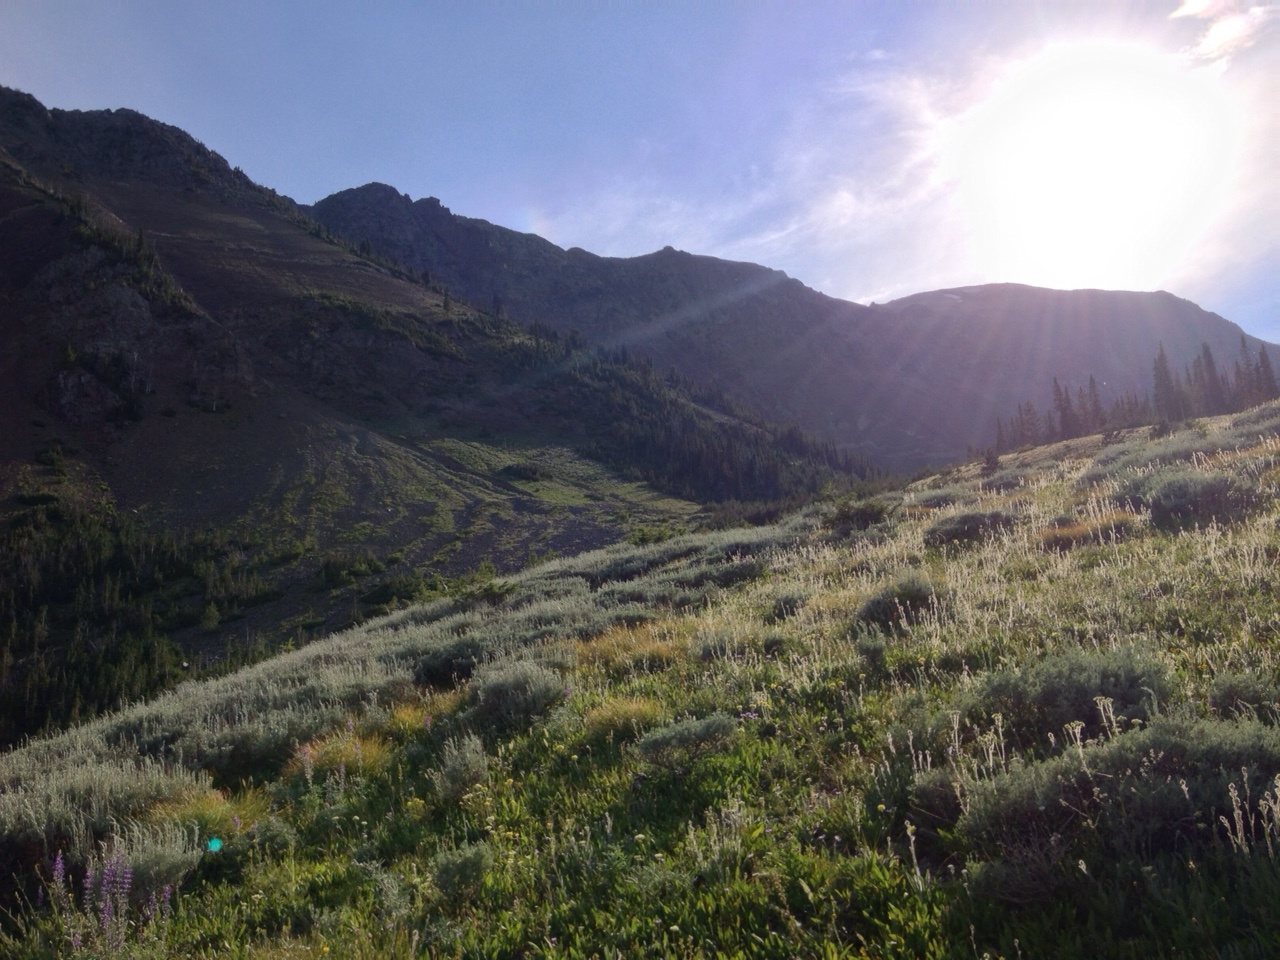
[108, 913]
[77, 940]
[426, 721]
[149, 909]
[351, 724]
[89, 880]
[107, 885]
[126, 879]
[236, 820]
[59, 872]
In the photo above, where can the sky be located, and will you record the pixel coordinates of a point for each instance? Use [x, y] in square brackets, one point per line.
[872, 150]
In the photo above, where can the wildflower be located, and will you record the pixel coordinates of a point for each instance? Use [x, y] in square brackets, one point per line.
[426, 722]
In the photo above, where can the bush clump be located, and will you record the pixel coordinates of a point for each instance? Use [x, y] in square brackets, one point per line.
[964, 528]
[679, 745]
[1187, 498]
[461, 871]
[1233, 694]
[899, 604]
[451, 662]
[515, 691]
[942, 497]
[861, 514]
[463, 765]
[1160, 788]
[1064, 688]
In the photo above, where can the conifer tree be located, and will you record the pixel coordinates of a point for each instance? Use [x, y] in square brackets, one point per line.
[1266, 377]
[1164, 389]
[1097, 416]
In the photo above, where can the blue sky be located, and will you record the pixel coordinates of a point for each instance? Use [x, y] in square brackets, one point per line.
[872, 150]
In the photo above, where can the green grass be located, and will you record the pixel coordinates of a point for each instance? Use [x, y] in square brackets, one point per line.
[713, 745]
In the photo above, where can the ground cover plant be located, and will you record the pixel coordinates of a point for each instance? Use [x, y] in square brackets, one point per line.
[823, 737]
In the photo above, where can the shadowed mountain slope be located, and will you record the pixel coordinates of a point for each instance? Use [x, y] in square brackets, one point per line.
[906, 383]
[185, 353]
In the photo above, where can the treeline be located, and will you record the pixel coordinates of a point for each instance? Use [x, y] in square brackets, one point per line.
[1201, 389]
[88, 601]
[701, 448]
[688, 441]
[653, 433]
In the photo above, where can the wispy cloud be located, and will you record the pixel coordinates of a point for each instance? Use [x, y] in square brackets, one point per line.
[1230, 26]
[857, 194]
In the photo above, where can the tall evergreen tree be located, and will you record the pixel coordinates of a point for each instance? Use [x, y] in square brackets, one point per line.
[1266, 376]
[1068, 422]
[1097, 416]
[1164, 389]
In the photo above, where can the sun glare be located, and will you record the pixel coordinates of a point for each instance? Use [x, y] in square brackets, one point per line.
[1094, 165]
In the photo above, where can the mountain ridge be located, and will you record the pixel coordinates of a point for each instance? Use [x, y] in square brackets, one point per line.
[900, 382]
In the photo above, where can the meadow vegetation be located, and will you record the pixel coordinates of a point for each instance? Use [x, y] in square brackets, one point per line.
[1035, 717]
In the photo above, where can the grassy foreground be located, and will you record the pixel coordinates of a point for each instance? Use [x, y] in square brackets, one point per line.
[1027, 714]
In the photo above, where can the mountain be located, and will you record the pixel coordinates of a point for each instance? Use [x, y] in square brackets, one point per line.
[952, 720]
[906, 383]
[219, 424]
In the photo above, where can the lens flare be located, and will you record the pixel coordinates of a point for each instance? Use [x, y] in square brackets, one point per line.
[1094, 164]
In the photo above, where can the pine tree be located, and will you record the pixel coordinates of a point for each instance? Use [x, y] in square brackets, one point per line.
[1097, 416]
[1164, 390]
[1068, 422]
[1266, 377]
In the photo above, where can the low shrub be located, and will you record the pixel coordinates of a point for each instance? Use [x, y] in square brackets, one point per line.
[460, 872]
[515, 691]
[965, 528]
[1232, 694]
[1045, 696]
[786, 605]
[1004, 480]
[1160, 788]
[943, 497]
[451, 661]
[900, 603]
[463, 765]
[679, 745]
[861, 514]
[1190, 497]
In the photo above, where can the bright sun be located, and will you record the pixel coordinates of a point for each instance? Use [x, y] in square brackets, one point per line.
[1095, 164]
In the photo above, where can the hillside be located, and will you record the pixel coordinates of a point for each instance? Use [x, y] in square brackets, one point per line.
[1030, 712]
[906, 384]
[223, 430]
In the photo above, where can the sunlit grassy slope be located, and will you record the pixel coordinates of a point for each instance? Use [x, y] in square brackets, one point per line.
[1030, 713]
